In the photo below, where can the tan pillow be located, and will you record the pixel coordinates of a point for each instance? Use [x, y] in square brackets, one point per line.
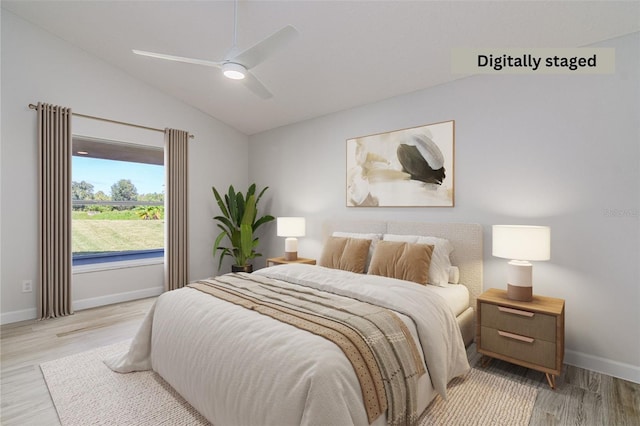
[404, 261]
[349, 254]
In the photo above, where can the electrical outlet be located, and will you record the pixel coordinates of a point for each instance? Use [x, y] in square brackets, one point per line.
[27, 286]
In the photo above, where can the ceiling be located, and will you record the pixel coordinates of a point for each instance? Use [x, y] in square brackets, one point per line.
[119, 151]
[348, 53]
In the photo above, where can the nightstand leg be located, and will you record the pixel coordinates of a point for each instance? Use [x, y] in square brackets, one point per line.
[485, 361]
[552, 380]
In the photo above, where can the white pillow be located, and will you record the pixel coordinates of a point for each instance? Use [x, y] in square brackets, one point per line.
[373, 237]
[454, 275]
[440, 262]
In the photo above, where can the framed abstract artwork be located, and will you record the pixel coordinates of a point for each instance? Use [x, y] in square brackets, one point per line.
[402, 168]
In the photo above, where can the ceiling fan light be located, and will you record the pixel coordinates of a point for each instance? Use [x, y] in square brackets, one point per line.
[234, 71]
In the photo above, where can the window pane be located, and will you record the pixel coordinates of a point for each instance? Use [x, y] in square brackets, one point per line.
[118, 206]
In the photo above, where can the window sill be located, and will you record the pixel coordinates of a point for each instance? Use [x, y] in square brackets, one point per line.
[107, 266]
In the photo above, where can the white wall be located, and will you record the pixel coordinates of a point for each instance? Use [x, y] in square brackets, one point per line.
[561, 151]
[39, 67]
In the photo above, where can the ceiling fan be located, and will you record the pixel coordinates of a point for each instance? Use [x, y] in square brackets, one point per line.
[237, 64]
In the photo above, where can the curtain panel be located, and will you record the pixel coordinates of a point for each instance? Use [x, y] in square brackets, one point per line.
[54, 210]
[176, 249]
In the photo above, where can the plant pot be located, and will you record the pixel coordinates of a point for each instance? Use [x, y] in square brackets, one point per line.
[240, 268]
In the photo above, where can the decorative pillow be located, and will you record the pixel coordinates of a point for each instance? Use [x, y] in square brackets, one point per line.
[440, 261]
[349, 254]
[373, 237]
[400, 260]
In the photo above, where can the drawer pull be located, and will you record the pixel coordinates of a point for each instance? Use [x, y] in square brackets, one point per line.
[516, 311]
[516, 336]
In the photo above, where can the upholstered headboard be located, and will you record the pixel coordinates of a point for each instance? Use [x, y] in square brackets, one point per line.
[466, 239]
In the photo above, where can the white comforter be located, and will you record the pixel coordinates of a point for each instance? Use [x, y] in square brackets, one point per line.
[238, 367]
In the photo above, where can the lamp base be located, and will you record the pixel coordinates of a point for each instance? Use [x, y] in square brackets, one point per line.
[521, 294]
[291, 249]
[519, 280]
[290, 255]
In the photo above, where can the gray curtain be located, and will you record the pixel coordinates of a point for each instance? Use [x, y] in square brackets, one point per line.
[54, 211]
[176, 249]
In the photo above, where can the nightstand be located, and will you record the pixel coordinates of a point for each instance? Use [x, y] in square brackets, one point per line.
[530, 334]
[281, 261]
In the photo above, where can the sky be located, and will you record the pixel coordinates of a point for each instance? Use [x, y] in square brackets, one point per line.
[147, 178]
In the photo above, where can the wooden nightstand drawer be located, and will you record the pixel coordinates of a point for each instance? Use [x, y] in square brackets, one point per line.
[535, 351]
[519, 321]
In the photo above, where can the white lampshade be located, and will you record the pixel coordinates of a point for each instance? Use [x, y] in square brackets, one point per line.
[520, 242]
[290, 227]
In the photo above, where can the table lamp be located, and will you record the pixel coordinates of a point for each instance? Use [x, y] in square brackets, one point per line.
[290, 227]
[521, 244]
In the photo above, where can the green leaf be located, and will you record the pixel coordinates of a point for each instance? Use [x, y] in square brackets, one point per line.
[260, 195]
[262, 220]
[240, 206]
[249, 211]
[216, 247]
[251, 190]
[225, 222]
[232, 205]
[220, 202]
[247, 239]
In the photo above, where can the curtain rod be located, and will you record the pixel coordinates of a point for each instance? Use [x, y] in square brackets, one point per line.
[32, 106]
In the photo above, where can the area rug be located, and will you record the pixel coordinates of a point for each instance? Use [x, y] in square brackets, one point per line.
[86, 392]
[481, 398]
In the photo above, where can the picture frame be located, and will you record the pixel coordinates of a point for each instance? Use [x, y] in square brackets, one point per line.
[411, 167]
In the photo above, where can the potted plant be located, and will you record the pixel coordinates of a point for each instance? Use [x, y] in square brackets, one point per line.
[238, 223]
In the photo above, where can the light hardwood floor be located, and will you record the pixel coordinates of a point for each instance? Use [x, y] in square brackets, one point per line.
[25, 345]
[582, 398]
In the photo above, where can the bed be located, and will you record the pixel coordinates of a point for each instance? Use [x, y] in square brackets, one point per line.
[236, 361]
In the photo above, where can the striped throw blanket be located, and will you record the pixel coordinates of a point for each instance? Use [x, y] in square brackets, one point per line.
[376, 342]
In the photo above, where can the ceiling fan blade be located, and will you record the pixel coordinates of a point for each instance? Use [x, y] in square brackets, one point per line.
[256, 86]
[263, 49]
[178, 58]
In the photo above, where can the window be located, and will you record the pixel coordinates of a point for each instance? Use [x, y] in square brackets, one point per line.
[118, 201]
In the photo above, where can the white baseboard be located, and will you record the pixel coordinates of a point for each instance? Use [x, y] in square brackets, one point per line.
[110, 299]
[617, 369]
[17, 316]
[78, 305]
